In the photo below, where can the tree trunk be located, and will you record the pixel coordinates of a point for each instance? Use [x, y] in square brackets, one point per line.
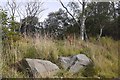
[83, 22]
[101, 31]
[86, 36]
[83, 28]
[83, 33]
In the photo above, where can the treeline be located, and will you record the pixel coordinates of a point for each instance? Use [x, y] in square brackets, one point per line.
[101, 19]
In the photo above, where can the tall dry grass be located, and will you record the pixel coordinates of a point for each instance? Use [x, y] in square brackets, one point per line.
[104, 54]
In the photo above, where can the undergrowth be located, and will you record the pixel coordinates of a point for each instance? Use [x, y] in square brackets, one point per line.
[103, 53]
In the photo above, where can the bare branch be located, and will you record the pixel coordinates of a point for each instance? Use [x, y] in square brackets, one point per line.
[33, 8]
[12, 8]
[69, 12]
[80, 2]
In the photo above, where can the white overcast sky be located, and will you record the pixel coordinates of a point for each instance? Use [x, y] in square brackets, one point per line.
[49, 6]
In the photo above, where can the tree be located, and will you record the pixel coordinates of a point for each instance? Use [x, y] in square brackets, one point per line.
[99, 17]
[9, 25]
[102, 19]
[32, 12]
[11, 10]
[74, 8]
[83, 3]
[28, 25]
[57, 23]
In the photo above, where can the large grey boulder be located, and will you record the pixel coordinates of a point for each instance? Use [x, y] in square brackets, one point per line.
[74, 63]
[37, 68]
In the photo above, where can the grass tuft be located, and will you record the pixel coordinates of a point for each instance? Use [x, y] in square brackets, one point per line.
[103, 53]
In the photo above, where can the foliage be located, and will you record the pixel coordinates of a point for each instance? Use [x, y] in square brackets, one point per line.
[28, 25]
[104, 54]
[57, 23]
[9, 28]
[100, 16]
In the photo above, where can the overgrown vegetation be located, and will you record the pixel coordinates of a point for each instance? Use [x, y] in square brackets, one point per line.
[104, 54]
[59, 35]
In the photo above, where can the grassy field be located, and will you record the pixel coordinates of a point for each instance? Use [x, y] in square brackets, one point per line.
[104, 54]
